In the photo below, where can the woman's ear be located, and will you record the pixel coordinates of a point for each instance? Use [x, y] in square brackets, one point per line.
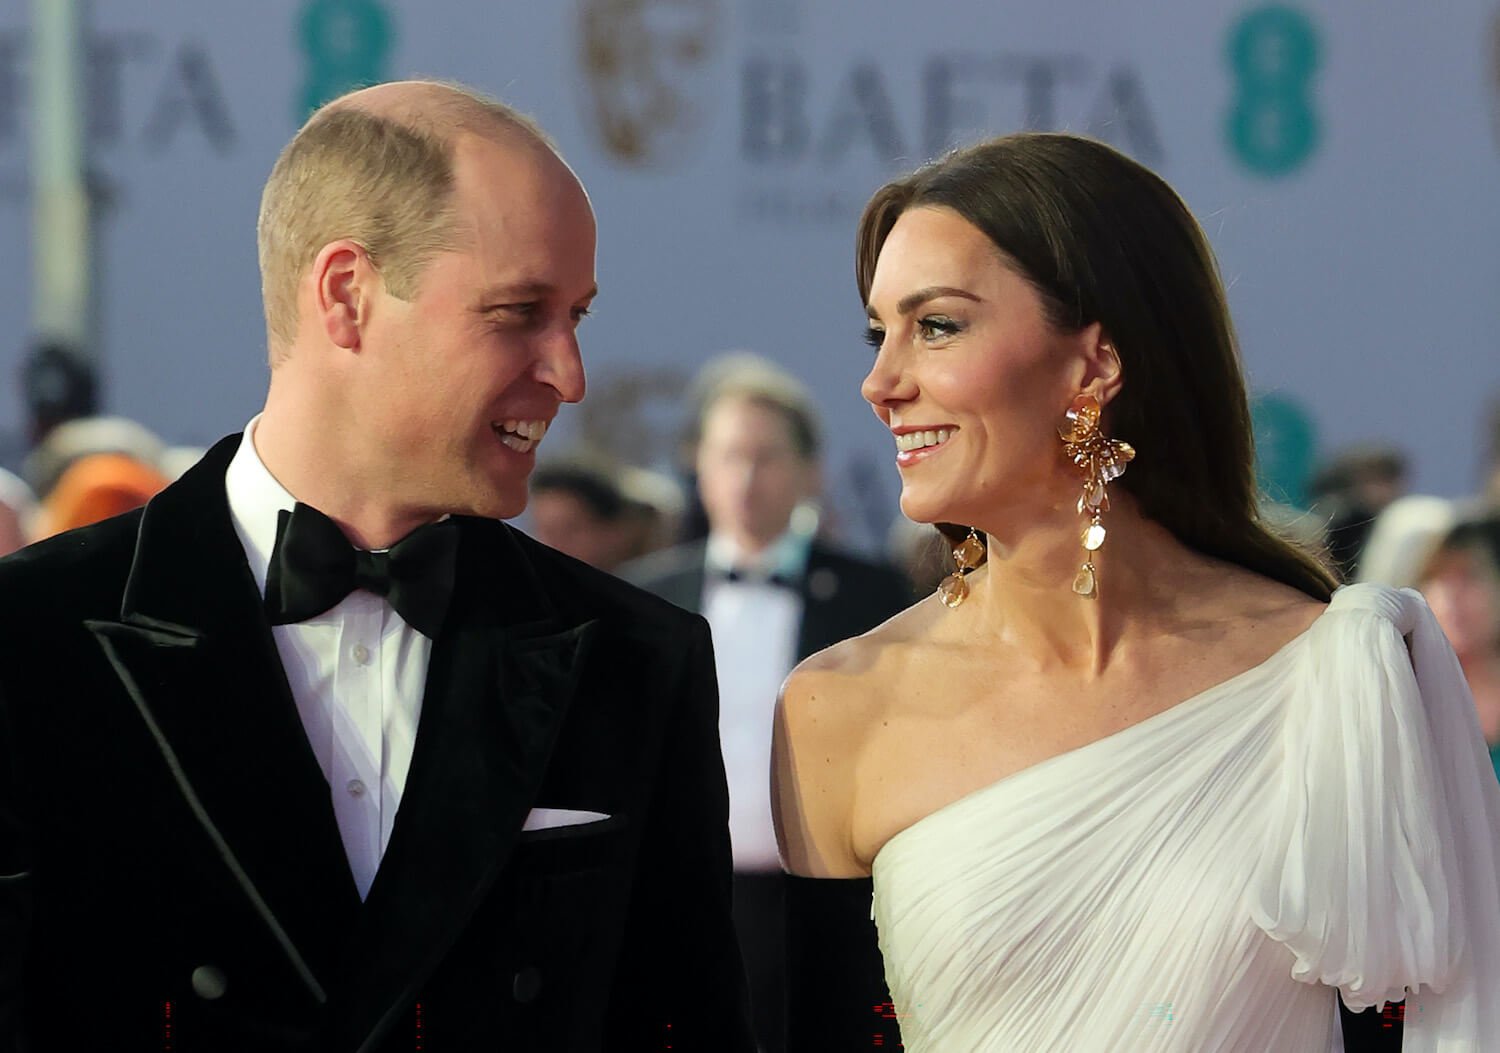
[1103, 374]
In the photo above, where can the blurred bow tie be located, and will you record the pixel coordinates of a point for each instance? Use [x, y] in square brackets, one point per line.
[749, 577]
[313, 567]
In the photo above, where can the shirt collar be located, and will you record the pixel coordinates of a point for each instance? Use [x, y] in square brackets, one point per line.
[255, 501]
[786, 557]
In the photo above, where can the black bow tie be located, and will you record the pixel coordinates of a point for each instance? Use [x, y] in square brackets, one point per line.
[313, 567]
[735, 575]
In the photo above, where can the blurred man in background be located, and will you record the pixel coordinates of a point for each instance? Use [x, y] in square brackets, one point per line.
[773, 594]
[1348, 492]
[603, 514]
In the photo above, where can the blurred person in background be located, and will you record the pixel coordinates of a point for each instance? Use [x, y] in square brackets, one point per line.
[578, 509]
[175, 460]
[58, 384]
[657, 504]
[17, 512]
[343, 758]
[1461, 581]
[773, 594]
[88, 469]
[84, 436]
[94, 488]
[1349, 491]
[603, 515]
[1403, 536]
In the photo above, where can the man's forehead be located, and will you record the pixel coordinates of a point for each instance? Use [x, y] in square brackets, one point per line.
[737, 415]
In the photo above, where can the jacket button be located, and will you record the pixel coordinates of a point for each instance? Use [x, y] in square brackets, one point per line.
[528, 984]
[209, 983]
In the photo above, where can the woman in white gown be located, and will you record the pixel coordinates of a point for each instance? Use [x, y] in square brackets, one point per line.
[1135, 783]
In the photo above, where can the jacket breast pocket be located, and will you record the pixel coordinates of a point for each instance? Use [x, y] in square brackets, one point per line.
[569, 887]
[572, 849]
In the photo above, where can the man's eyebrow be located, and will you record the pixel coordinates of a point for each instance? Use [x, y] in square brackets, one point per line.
[500, 295]
[911, 301]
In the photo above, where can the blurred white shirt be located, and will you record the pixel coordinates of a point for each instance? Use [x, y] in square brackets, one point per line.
[755, 626]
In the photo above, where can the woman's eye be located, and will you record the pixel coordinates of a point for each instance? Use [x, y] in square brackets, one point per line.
[935, 328]
[874, 337]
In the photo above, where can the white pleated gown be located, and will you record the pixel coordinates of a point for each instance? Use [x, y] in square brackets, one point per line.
[1202, 880]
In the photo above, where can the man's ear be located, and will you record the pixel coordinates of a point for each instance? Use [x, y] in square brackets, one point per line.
[343, 278]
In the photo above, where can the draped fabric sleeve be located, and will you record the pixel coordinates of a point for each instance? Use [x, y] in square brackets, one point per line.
[1382, 853]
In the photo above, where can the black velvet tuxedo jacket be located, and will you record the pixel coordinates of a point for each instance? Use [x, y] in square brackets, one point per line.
[171, 874]
[842, 595]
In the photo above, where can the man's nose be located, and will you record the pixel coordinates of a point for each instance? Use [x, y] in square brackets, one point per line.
[561, 367]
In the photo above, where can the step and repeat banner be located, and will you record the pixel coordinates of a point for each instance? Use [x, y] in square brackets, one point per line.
[1344, 159]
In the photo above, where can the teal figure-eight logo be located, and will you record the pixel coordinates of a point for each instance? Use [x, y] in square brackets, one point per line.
[1285, 443]
[1273, 57]
[345, 45]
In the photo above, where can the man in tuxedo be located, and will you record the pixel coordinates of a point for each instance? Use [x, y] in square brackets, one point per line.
[315, 753]
[773, 594]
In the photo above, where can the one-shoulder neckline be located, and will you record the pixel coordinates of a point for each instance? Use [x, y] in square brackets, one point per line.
[1176, 709]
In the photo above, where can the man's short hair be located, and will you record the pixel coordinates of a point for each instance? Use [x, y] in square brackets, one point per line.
[750, 378]
[384, 180]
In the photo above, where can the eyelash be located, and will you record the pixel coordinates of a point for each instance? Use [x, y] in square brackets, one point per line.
[931, 328]
[934, 326]
[528, 312]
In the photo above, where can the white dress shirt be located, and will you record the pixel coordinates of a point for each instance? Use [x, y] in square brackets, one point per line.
[357, 673]
[755, 627]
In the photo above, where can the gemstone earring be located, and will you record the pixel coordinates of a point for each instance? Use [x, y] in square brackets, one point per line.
[1102, 461]
[967, 554]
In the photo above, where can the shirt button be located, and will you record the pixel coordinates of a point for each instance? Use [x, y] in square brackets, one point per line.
[361, 654]
[355, 788]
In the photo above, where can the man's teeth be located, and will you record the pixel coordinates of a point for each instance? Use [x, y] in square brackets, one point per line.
[520, 435]
[916, 440]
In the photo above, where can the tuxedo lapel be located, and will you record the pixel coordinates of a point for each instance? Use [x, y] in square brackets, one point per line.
[195, 655]
[499, 684]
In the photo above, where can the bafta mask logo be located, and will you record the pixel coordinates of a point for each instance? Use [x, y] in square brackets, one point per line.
[645, 62]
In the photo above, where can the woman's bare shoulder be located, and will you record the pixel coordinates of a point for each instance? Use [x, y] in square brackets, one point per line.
[1265, 604]
[823, 715]
[1244, 616]
[831, 694]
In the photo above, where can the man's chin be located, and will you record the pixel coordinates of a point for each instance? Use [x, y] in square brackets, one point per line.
[490, 504]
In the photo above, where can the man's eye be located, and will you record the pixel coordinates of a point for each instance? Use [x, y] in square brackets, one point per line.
[521, 311]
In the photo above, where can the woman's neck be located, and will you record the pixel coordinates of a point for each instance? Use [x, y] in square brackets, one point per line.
[1026, 592]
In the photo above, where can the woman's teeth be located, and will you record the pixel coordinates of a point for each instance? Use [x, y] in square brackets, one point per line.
[916, 440]
[520, 435]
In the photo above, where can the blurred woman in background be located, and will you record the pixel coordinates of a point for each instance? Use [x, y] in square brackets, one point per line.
[1461, 581]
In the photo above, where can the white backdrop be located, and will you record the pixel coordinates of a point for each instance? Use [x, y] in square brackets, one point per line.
[1343, 158]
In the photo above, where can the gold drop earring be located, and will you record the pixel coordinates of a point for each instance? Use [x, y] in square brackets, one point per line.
[967, 555]
[1101, 460]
